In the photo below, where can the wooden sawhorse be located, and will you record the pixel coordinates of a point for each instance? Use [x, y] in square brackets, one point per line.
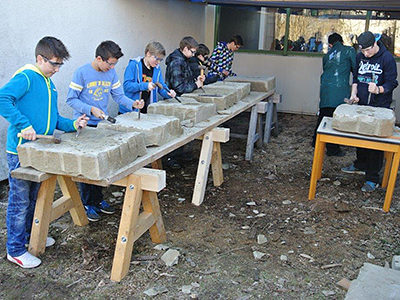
[391, 146]
[210, 154]
[141, 187]
[255, 133]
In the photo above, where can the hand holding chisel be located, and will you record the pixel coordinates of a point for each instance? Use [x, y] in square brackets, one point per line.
[171, 93]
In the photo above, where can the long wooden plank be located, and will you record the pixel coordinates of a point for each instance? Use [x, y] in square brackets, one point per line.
[216, 165]
[151, 205]
[60, 207]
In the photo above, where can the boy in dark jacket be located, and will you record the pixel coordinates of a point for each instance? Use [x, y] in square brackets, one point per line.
[179, 76]
[373, 85]
[200, 60]
[29, 102]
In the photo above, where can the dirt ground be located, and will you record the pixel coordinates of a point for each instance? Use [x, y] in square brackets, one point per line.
[216, 241]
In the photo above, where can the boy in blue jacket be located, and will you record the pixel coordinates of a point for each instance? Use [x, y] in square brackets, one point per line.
[89, 91]
[29, 102]
[142, 73]
[373, 85]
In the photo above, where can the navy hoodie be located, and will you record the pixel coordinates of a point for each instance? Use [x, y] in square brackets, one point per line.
[383, 66]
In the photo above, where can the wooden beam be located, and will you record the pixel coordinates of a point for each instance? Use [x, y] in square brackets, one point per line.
[60, 207]
[152, 179]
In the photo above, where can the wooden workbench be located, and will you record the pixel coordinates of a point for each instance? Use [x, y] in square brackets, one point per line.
[141, 187]
[390, 145]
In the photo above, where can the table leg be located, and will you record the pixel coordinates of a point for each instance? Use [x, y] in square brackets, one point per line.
[129, 220]
[388, 164]
[151, 205]
[41, 218]
[216, 164]
[316, 167]
[251, 133]
[157, 164]
[392, 181]
[268, 122]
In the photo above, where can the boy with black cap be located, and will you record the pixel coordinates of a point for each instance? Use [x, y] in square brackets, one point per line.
[373, 85]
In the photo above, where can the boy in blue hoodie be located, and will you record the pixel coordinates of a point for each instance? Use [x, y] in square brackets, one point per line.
[89, 92]
[29, 102]
[373, 85]
[142, 73]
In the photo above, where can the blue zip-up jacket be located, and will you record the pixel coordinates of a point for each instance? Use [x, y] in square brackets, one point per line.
[133, 83]
[29, 100]
[383, 66]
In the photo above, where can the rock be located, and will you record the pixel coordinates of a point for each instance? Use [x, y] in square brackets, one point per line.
[161, 247]
[362, 119]
[286, 202]
[324, 179]
[154, 291]
[261, 239]
[252, 203]
[245, 227]
[186, 289]
[309, 230]
[256, 211]
[283, 258]
[306, 256]
[396, 262]
[344, 283]
[261, 215]
[328, 293]
[231, 215]
[337, 183]
[117, 194]
[370, 256]
[258, 254]
[225, 166]
[195, 285]
[170, 257]
[180, 200]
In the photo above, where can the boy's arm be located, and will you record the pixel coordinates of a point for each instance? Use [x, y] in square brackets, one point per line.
[9, 95]
[73, 96]
[179, 83]
[65, 124]
[131, 84]
[163, 92]
[389, 75]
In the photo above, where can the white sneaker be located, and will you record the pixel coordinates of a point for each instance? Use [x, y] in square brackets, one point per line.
[49, 242]
[26, 260]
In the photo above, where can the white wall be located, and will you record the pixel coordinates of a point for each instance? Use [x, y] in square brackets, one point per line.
[82, 25]
[297, 79]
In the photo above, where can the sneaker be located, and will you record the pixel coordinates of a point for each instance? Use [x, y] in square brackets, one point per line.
[91, 213]
[369, 186]
[26, 260]
[49, 242]
[353, 170]
[106, 208]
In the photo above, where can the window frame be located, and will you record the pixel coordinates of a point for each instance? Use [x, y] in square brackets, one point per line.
[285, 51]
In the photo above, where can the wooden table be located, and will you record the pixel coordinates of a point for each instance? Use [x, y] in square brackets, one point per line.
[390, 145]
[141, 187]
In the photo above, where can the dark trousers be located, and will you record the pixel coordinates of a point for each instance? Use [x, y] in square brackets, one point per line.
[371, 162]
[331, 149]
[90, 194]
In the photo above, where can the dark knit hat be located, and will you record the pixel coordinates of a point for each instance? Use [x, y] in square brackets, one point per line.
[366, 39]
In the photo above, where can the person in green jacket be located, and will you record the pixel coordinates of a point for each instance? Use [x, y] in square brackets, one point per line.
[337, 65]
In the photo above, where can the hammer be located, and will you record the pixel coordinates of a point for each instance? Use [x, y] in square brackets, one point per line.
[202, 68]
[160, 86]
[56, 139]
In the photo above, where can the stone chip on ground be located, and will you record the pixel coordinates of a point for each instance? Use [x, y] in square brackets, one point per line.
[170, 257]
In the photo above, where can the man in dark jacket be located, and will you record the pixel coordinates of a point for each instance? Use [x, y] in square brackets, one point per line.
[178, 75]
[373, 85]
[337, 65]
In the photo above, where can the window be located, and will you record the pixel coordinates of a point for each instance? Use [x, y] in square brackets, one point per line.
[389, 29]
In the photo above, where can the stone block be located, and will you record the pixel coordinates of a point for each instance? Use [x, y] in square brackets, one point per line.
[258, 84]
[189, 112]
[222, 97]
[366, 120]
[157, 129]
[96, 154]
[243, 88]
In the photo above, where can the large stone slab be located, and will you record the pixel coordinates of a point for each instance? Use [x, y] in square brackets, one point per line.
[375, 282]
[222, 97]
[189, 112]
[366, 120]
[96, 154]
[258, 84]
[243, 88]
[157, 129]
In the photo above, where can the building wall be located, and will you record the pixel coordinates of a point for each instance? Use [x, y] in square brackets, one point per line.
[297, 79]
[82, 25]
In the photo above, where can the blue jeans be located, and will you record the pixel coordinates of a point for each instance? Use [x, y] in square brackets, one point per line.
[21, 206]
[91, 194]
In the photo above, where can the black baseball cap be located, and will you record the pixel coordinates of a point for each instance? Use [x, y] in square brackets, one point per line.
[366, 39]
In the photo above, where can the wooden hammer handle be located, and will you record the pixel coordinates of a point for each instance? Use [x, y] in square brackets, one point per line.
[40, 136]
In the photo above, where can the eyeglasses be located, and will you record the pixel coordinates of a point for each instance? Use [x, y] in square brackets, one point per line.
[158, 59]
[54, 64]
[193, 51]
[110, 64]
